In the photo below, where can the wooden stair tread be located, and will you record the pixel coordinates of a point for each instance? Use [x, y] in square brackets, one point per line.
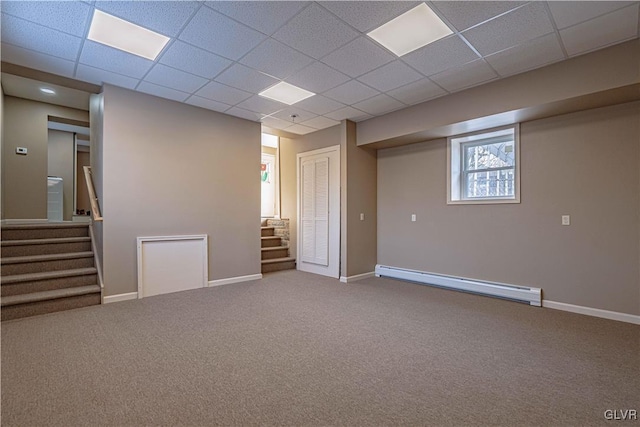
[49, 295]
[277, 260]
[270, 237]
[47, 257]
[48, 241]
[19, 278]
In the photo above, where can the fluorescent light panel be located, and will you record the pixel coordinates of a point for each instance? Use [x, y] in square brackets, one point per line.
[410, 31]
[124, 35]
[286, 93]
[47, 91]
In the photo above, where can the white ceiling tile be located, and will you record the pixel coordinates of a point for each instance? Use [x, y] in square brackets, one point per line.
[276, 123]
[66, 16]
[275, 59]
[221, 93]
[164, 17]
[368, 15]
[175, 79]
[244, 114]
[380, 104]
[300, 129]
[568, 13]
[39, 61]
[347, 113]
[98, 76]
[317, 78]
[465, 14]
[320, 122]
[193, 60]
[390, 76]
[527, 56]
[315, 32]
[219, 34]
[162, 92]
[25, 34]
[320, 105]
[612, 28]
[246, 78]
[358, 57]
[351, 92]
[286, 113]
[465, 76]
[526, 23]
[417, 92]
[100, 56]
[260, 104]
[208, 104]
[264, 16]
[440, 55]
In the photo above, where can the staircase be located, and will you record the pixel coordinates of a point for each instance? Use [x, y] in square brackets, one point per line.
[46, 267]
[275, 255]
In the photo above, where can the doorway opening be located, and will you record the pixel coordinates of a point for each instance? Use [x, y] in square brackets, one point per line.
[270, 177]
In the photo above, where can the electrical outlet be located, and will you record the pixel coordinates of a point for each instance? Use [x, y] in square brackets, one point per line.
[361, 217]
[21, 150]
[566, 219]
[413, 218]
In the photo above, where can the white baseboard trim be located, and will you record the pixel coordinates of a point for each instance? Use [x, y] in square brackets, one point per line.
[22, 221]
[356, 277]
[238, 279]
[119, 297]
[596, 312]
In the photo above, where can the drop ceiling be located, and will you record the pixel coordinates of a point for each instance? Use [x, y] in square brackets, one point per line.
[222, 54]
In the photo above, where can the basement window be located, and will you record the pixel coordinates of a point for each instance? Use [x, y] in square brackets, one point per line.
[484, 167]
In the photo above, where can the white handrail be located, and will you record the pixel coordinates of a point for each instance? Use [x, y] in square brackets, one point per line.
[95, 207]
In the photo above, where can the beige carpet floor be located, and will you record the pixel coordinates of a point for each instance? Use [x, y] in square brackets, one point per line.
[300, 349]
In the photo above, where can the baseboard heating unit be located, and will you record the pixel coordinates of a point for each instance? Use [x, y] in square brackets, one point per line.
[532, 296]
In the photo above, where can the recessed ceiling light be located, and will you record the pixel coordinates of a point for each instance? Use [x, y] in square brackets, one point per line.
[47, 91]
[410, 31]
[286, 93]
[124, 35]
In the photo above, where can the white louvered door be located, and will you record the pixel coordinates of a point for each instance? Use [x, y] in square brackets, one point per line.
[319, 212]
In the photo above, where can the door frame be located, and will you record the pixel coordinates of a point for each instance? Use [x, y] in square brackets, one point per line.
[334, 243]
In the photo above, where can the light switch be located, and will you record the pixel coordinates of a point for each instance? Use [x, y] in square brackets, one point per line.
[21, 150]
[566, 219]
[361, 217]
[413, 217]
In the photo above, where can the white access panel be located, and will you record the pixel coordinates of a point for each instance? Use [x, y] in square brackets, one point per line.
[171, 264]
[55, 199]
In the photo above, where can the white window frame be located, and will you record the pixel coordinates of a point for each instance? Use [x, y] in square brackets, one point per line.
[455, 168]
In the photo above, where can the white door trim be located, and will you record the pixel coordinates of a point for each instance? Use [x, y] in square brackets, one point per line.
[333, 270]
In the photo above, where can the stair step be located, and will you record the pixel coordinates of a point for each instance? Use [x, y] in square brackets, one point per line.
[274, 252]
[47, 281]
[277, 260]
[14, 248]
[18, 278]
[50, 262]
[270, 241]
[278, 264]
[267, 231]
[44, 230]
[46, 257]
[49, 295]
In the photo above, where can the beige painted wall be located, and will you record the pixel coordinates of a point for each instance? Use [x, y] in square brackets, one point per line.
[60, 164]
[2, 151]
[361, 197]
[583, 164]
[289, 149]
[82, 195]
[174, 169]
[24, 184]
